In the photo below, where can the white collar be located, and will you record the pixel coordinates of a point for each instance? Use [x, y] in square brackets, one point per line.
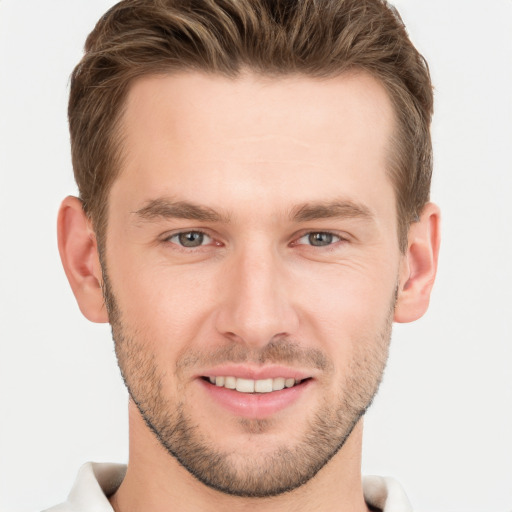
[96, 481]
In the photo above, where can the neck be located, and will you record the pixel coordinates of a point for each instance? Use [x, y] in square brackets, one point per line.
[156, 481]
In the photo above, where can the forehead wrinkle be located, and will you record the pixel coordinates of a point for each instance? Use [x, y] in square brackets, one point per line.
[166, 208]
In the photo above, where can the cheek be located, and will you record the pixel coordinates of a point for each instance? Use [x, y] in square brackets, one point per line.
[167, 306]
[346, 308]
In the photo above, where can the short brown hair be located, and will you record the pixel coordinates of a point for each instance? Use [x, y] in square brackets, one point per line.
[317, 38]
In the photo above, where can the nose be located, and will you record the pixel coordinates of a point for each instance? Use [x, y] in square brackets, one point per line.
[256, 304]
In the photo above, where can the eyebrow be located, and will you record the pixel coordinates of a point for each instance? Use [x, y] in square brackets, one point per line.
[165, 208]
[338, 209]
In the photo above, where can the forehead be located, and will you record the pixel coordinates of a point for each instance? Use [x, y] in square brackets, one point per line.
[295, 136]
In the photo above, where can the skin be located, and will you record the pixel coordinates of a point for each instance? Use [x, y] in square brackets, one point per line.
[255, 152]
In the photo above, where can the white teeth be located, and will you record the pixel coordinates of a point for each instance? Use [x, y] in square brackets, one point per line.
[245, 385]
[253, 386]
[263, 386]
[288, 383]
[229, 382]
[278, 384]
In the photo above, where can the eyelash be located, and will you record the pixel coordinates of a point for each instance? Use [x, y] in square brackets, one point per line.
[338, 238]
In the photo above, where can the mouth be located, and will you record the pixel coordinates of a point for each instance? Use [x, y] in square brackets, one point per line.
[254, 386]
[256, 398]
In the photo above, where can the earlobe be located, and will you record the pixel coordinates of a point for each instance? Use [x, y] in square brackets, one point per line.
[419, 266]
[79, 254]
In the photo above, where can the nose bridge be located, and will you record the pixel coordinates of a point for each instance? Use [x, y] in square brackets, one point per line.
[256, 305]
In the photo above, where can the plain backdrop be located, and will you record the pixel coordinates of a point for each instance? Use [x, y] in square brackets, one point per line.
[442, 422]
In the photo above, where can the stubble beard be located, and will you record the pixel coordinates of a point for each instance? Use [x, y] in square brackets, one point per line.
[263, 475]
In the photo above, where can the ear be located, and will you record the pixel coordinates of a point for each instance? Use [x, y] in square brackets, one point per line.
[79, 254]
[419, 266]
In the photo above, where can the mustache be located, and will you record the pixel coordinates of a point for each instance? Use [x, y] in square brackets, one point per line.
[280, 351]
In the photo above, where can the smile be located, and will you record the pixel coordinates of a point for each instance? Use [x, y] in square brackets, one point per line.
[254, 386]
[268, 392]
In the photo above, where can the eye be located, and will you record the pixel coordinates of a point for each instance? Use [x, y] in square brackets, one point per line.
[319, 239]
[190, 239]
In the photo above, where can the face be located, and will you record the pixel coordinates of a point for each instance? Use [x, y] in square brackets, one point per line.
[251, 267]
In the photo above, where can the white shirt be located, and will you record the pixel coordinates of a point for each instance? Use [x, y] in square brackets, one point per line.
[97, 481]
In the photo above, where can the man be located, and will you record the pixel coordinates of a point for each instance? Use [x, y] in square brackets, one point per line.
[253, 215]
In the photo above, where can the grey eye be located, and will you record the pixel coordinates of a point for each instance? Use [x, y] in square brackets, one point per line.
[190, 239]
[319, 239]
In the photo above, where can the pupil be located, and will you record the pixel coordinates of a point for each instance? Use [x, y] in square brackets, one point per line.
[319, 239]
[191, 239]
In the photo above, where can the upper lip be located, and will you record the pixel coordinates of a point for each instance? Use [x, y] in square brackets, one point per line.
[255, 372]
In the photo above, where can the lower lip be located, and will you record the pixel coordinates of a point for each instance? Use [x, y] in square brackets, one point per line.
[255, 405]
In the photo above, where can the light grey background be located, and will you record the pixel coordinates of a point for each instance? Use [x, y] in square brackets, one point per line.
[442, 423]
